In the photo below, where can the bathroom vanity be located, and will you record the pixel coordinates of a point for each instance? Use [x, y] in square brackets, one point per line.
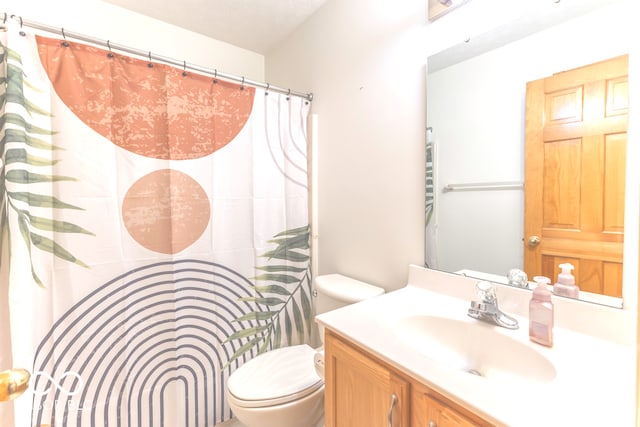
[413, 357]
[361, 390]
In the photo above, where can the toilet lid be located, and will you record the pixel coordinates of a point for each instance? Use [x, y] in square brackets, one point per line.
[277, 376]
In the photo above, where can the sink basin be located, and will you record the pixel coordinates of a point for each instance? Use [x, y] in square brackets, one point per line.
[474, 347]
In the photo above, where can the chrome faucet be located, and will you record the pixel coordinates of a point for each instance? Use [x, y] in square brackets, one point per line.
[486, 308]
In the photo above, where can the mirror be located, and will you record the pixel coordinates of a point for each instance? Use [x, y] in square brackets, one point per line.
[476, 117]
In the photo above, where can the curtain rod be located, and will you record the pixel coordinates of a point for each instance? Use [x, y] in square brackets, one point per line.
[158, 58]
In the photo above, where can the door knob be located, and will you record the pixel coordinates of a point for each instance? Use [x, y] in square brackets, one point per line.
[534, 241]
[13, 382]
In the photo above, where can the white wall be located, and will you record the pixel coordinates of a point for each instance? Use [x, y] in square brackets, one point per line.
[108, 22]
[364, 60]
[476, 109]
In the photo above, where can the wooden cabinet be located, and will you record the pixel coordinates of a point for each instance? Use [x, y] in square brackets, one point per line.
[360, 391]
[363, 391]
[430, 409]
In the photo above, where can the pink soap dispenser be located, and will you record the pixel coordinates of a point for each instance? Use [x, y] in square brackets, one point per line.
[541, 313]
[566, 284]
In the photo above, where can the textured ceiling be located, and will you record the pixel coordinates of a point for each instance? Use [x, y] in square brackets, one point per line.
[256, 25]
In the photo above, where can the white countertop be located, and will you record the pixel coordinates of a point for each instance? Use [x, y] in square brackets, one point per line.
[594, 385]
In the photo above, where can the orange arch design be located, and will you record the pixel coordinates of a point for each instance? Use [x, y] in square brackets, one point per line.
[151, 111]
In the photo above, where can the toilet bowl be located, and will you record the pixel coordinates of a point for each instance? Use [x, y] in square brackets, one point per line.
[284, 387]
[279, 388]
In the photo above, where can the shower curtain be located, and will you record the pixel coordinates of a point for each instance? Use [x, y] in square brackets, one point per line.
[154, 229]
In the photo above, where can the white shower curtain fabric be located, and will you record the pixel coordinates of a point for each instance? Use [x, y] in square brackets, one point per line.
[154, 232]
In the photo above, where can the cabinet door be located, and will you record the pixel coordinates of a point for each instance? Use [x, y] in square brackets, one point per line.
[361, 392]
[439, 414]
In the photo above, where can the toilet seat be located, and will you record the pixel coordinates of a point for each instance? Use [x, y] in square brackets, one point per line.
[274, 378]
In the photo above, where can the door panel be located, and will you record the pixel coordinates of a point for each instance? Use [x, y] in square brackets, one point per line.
[575, 150]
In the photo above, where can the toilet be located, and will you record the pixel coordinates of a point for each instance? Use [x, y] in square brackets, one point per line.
[285, 387]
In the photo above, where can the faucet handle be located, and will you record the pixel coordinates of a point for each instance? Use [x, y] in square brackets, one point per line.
[486, 292]
[518, 278]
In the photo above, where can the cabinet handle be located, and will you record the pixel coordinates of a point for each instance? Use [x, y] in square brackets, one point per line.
[394, 401]
[432, 424]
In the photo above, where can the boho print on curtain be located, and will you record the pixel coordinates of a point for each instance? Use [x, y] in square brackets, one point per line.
[155, 230]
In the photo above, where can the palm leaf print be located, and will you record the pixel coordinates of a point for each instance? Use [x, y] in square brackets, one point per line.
[22, 145]
[429, 184]
[283, 291]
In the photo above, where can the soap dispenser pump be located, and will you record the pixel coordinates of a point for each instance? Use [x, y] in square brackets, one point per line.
[541, 313]
[566, 284]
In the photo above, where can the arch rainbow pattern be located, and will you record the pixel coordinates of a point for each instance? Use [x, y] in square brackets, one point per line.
[139, 340]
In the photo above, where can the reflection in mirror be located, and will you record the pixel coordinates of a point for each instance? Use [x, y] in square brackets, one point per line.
[476, 139]
[438, 8]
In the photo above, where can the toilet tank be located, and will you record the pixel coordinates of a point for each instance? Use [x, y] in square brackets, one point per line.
[335, 291]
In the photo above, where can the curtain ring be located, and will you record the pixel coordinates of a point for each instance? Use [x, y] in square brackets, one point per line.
[22, 33]
[150, 65]
[215, 76]
[184, 69]
[65, 43]
[110, 54]
[266, 92]
[242, 84]
[288, 94]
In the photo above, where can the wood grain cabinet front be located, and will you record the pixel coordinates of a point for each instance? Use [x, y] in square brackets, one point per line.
[360, 391]
[430, 409]
[363, 391]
